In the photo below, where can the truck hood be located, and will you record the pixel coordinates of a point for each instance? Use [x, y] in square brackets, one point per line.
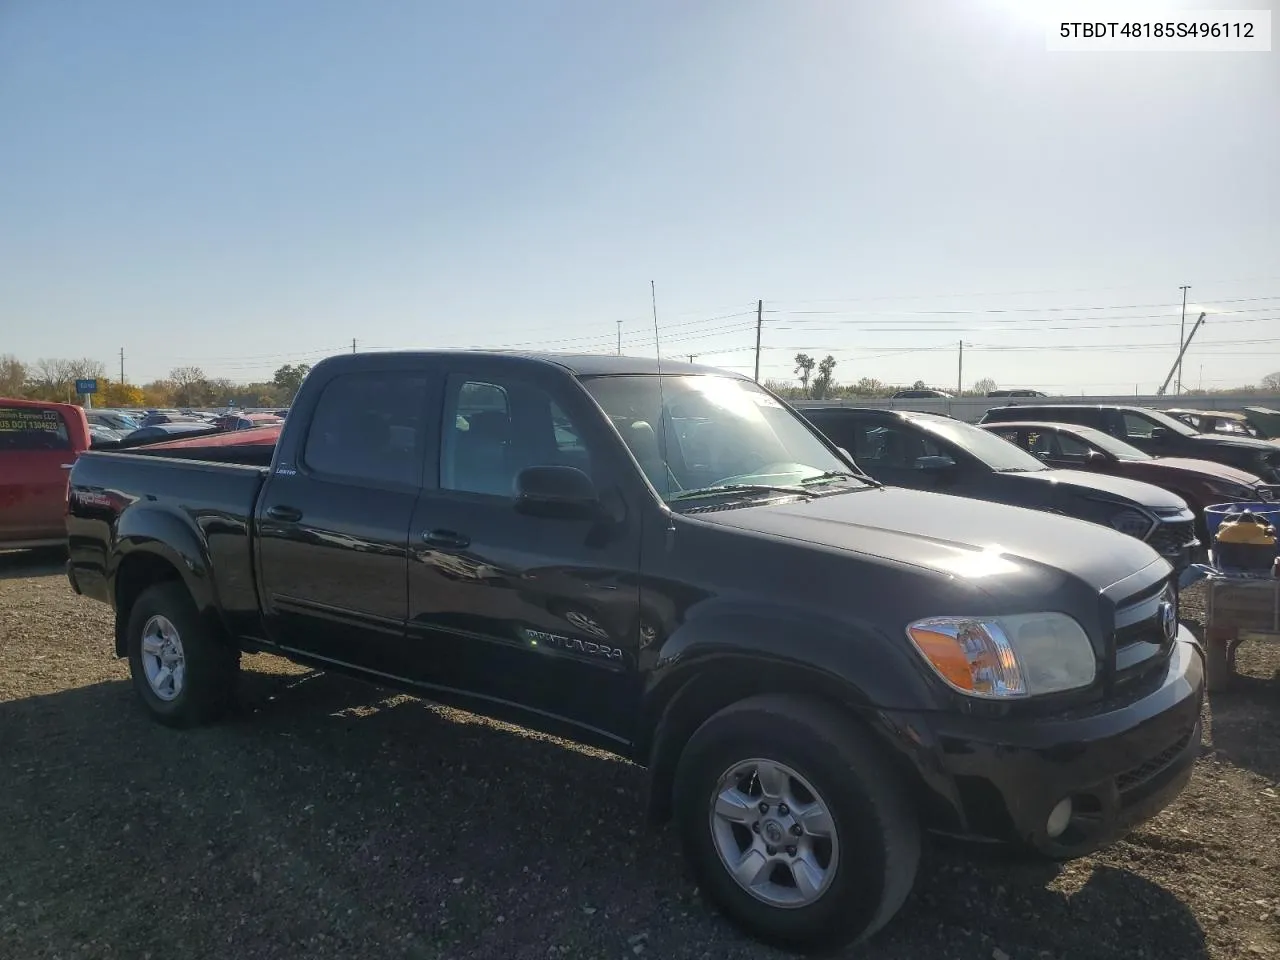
[1114, 488]
[1205, 469]
[1240, 443]
[968, 539]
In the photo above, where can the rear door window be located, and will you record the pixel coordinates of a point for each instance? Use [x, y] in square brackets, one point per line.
[28, 428]
[369, 428]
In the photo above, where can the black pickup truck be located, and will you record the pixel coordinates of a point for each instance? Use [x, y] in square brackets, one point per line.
[674, 565]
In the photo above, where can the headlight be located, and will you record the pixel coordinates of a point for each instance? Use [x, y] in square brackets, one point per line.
[1232, 492]
[1002, 658]
[1133, 522]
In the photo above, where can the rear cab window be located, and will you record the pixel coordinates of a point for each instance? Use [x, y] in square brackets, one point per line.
[31, 428]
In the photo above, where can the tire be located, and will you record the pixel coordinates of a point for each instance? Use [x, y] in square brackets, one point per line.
[202, 670]
[870, 867]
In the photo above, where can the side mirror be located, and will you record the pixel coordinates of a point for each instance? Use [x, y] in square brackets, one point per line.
[845, 452]
[1095, 457]
[934, 464]
[1159, 433]
[556, 492]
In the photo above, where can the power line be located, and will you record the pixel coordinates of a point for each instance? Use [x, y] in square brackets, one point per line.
[1018, 293]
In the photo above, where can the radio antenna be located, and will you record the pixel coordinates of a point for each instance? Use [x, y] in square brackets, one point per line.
[662, 400]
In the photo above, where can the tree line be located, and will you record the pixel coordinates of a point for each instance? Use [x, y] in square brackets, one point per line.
[55, 379]
[816, 381]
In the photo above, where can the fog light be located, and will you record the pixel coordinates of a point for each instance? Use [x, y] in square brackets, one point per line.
[1059, 819]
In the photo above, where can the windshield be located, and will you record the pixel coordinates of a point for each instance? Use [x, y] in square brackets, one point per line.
[1105, 442]
[1171, 423]
[718, 431]
[998, 454]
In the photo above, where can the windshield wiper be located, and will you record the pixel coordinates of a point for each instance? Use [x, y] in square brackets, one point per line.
[741, 488]
[841, 475]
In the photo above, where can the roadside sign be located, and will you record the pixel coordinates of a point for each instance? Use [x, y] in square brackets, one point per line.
[86, 387]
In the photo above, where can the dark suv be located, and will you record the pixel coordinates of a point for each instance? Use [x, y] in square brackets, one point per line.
[1153, 432]
[931, 452]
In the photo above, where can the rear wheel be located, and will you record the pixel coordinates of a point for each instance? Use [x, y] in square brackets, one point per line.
[183, 674]
[793, 824]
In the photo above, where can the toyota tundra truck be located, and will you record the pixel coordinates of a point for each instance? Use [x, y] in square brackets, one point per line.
[666, 561]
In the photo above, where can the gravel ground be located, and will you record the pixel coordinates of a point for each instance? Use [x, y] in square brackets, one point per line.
[332, 819]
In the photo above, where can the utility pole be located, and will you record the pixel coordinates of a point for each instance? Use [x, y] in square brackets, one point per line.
[759, 323]
[1182, 335]
[960, 372]
[1177, 363]
[353, 344]
[122, 366]
[619, 338]
[692, 356]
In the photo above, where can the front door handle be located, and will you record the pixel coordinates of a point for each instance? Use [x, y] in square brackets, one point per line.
[446, 538]
[287, 514]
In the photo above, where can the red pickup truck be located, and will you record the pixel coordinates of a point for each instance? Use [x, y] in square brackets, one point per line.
[39, 443]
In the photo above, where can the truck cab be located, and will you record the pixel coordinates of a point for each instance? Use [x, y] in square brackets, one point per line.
[39, 442]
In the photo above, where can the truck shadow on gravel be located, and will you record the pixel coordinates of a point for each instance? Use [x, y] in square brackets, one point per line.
[20, 564]
[1245, 720]
[327, 818]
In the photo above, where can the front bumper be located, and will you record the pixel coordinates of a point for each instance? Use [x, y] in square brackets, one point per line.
[1119, 765]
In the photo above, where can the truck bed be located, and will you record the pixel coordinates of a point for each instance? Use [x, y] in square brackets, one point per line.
[200, 510]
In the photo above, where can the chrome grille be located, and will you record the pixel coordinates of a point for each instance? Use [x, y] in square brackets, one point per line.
[1139, 641]
[1173, 537]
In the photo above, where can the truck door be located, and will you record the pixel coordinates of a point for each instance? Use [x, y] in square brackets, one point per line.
[537, 617]
[333, 518]
[35, 455]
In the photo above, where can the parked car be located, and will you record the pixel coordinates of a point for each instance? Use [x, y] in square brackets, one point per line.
[1264, 421]
[920, 395]
[173, 429]
[244, 421]
[39, 441]
[1152, 432]
[100, 436]
[1214, 421]
[121, 423]
[930, 452]
[1200, 483]
[676, 567]
[1015, 393]
[160, 417]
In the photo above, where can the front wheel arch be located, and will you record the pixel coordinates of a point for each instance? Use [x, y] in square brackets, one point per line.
[726, 681]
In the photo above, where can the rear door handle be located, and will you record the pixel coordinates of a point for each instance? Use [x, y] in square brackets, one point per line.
[287, 514]
[68, 466]
[446, 538]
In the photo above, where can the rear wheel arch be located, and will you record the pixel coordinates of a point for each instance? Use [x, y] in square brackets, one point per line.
[144, 567]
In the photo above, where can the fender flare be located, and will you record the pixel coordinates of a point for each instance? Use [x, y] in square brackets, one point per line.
[166, 535]
[730, 649]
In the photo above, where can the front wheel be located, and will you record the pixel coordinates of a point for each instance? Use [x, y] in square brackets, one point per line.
[793, 824]
[182, 673]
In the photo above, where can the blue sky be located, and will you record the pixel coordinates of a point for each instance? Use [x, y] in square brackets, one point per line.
[242, 184]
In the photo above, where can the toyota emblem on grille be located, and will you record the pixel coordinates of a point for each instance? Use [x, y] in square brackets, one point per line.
[1169, 620]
